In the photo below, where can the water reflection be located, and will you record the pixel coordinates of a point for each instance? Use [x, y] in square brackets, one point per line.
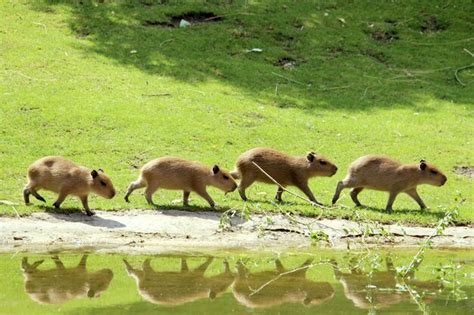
[381, 289]
[61, 284]
[175, 288]
[247, 285]
[279, 286]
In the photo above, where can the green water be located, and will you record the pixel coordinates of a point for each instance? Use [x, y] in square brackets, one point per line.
[324, 282]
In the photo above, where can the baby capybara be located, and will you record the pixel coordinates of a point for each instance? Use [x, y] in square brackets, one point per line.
[64, 177]
[384, 174]
[178, 174]
[286, 170]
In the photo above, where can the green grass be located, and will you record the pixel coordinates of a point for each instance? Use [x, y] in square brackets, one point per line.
[77, 78]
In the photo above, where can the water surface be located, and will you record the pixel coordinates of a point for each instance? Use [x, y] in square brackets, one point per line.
[322, 281]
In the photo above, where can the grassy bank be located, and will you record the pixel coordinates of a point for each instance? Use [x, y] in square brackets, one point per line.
[115, 84]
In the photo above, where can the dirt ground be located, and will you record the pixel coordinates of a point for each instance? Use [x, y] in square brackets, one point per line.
[148, 231]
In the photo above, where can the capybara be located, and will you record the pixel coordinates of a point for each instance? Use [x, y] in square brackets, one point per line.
[64, 177]
[176, 288]
[381, 289]
[286, 170]
[61, 284]
[178, 174]
[382, 173]
[270, 288]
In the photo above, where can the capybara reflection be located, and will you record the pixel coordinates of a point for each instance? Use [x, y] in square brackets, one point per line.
[61, 284]
[176, 288]
[380, 289]
[270, 288]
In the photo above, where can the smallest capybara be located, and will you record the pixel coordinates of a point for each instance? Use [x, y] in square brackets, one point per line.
[64, 177]
[384, 174]
[178, 174]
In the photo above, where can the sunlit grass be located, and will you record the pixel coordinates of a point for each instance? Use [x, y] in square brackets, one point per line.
[89, 98]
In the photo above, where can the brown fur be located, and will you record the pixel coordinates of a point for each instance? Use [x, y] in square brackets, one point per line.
[381, 286]
[177, 288]
[278, 287]
[56, 174]
[384, 174]
[286, 170]
[59, 285]
[179, 174]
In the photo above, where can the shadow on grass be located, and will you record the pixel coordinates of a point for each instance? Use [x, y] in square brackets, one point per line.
[311, 59]
[190, 208]
[77, 215]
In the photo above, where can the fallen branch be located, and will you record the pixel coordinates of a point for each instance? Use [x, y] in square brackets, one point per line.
[459, 70]
[289, 191]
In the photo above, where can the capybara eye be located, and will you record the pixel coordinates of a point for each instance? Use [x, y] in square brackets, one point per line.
[103, 184]
[322, 162]
[226, 177]
[434, 172]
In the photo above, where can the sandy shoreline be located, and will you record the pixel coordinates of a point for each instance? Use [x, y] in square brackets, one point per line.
[167, 231]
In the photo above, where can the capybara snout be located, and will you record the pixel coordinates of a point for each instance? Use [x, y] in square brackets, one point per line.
[431, 174]
[223, 180]
[102, 185]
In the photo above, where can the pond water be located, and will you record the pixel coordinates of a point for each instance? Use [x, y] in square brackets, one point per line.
[320, 281]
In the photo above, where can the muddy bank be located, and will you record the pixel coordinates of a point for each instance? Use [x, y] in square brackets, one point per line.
[147, 231]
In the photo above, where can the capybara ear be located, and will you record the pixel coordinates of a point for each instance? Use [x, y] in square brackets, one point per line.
[422, 165]
[310, 156]
[100, 170]
[215, 169]
[94, 173]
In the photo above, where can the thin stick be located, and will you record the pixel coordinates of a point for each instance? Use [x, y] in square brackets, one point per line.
[459, 70]
[279, 276]
[288, 191]
[290, 80]
[17, 214]
[470, 53]
[166, 41]
[159, 94]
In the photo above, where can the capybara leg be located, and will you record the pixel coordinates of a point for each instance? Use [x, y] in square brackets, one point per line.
[307, 191]
[339, 188]
[279, 266]
[205, 195]
[414, 194]
[58, 262]
[202, 268]
[26, 196]
[186, 197]
[389, 263]
[184, 265]
[278, 194]
[354, 193]
[60, 200]
[36, 195]
[391, 199]
[244, 184]
[82, 264]
[134, 185]
[149, 191]
[85, 204]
